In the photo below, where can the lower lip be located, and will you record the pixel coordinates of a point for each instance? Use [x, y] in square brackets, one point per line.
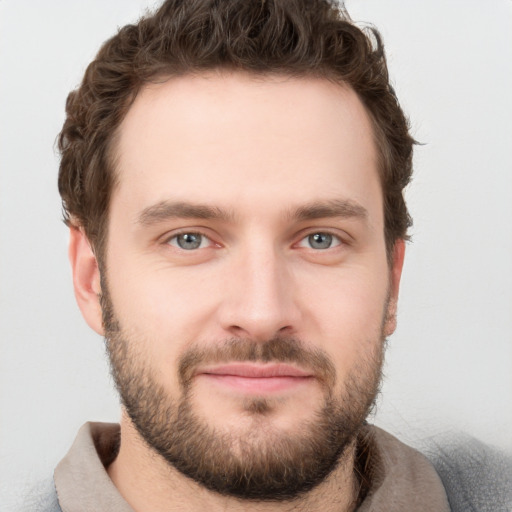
[257, 384]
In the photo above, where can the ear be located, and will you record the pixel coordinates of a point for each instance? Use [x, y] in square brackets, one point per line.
[86, 278]
[394, 286]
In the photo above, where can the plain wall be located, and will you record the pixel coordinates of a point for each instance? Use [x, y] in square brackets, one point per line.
[449, 363]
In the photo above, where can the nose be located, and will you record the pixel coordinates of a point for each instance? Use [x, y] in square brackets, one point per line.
[260, 297]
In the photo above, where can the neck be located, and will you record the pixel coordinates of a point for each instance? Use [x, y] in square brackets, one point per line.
[147, 482]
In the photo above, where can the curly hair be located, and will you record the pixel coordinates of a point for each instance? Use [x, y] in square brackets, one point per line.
[298, 38]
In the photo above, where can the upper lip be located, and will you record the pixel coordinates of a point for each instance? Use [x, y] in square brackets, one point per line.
[254, 370]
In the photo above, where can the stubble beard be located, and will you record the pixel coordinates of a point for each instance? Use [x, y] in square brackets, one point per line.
[262, 463]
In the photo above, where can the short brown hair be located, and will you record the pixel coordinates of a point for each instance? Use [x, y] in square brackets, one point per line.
[291, 37]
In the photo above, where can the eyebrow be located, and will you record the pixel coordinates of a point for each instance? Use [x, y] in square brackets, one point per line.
[165, 210]
[333, 208]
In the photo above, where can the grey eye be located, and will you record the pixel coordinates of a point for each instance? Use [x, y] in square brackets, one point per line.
[320, 240]
[187, 241]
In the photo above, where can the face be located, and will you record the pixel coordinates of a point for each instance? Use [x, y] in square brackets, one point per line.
[246, 291]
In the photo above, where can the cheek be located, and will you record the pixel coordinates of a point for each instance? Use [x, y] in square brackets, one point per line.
[169, 306]
[348, 317]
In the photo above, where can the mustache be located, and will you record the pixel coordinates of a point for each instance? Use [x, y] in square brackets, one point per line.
[275, 350]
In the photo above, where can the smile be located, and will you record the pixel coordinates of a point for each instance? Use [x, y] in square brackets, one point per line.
[256, 378]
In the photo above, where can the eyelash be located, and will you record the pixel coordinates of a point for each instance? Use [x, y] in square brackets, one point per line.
[334, 239]
[193, 233]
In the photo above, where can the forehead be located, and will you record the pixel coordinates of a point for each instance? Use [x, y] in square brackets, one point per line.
[224, 137]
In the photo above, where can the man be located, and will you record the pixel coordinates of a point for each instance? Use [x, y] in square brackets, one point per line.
[232, 176]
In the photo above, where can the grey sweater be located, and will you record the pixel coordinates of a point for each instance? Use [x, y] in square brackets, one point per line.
[476, 478]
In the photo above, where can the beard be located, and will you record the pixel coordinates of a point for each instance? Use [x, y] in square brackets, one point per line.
[261, 463]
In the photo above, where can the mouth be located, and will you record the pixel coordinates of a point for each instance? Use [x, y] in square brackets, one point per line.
[256, 378]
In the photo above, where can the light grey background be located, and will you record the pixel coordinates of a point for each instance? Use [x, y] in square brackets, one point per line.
[448, 365]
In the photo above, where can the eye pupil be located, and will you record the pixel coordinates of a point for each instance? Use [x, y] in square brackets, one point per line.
[320, 240]
[189, 241]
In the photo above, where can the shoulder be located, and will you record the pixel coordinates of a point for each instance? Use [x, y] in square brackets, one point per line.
[477, 477]
[41, 497]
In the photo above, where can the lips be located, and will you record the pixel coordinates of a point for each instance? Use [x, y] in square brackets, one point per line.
[256, 378]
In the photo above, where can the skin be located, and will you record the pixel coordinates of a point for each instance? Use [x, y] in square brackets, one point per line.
[261, 150]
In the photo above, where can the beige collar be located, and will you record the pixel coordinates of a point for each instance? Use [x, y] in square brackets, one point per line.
[400, 478]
